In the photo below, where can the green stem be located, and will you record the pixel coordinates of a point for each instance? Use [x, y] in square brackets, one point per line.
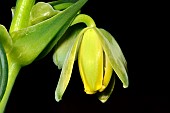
[19, 21]
[21, 15]
[84, 19]
[12, 74]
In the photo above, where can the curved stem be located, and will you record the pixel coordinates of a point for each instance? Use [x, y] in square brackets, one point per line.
[13, 72]
[84, 19]
[21, 15]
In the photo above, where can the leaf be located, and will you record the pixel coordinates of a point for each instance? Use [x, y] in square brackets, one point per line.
[68, 1]
[115, 55]
[67, 68]
[62, 6]
[31, 41]
[3, 71]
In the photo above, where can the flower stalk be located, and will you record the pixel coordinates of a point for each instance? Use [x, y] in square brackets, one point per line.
[83, 18]
[21, 15]
[14, 69]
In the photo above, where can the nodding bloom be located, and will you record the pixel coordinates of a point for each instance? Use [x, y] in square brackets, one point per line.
[99, 59]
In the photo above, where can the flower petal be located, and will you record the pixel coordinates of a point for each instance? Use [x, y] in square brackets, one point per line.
[90, 60]
[67, 68]
[108, 70]
[115, 55]
[64, 45]
[104, 95]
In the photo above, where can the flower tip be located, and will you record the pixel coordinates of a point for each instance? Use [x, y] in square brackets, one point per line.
[103, 99]
[126, 85]
[89, 92]
[57, 98]
[102, 88]
[125, 81]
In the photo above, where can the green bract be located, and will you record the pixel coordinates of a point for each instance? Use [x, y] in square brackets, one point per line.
[98, 55]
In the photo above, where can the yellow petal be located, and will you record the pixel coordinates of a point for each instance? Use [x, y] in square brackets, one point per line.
[107, 73]
[90, 59]
[104, 95]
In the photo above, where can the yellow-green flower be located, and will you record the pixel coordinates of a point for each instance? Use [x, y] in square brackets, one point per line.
[95, 69]
[99, 59]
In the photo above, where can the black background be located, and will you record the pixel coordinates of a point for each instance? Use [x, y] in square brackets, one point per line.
[137, 27]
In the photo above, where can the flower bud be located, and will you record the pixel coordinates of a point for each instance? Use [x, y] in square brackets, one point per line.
[95, 69]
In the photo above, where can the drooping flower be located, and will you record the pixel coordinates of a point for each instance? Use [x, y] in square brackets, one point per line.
[99, 59]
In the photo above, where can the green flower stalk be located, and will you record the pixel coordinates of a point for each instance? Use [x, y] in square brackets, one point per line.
[98, 56]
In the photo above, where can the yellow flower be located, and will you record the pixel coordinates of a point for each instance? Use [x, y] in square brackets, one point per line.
[99, 59]
[92, 63]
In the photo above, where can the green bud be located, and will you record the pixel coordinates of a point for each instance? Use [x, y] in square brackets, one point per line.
[41, 11]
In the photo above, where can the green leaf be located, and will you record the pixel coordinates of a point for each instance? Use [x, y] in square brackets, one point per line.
[31, 41]
[115, 55]
[62, 6]
[67, 67]
[64, 44]
[3, 71]
[68, 1]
